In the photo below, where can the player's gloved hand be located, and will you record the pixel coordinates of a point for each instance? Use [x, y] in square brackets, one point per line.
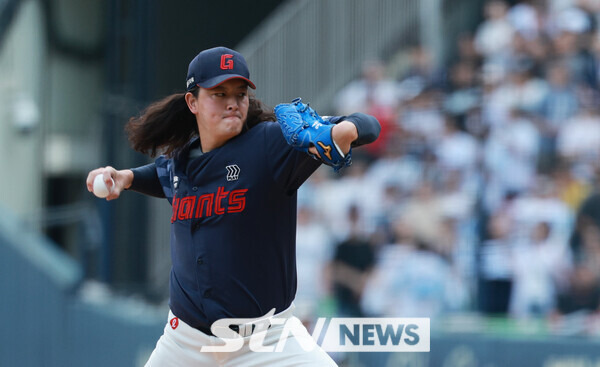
[303, 128]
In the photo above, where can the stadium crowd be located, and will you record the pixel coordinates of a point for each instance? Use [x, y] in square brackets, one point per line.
[482, 193]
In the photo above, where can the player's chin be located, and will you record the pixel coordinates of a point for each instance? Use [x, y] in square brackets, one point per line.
[233, 123]
[232, 129]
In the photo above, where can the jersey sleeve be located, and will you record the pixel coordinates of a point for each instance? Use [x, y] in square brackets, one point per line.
[164, 172]
[146, 181]
[290, 167]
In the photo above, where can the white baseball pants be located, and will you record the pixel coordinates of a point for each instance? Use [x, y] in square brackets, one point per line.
[180, 346]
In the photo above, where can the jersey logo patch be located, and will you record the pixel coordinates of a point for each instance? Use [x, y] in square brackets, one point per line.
[233, 172]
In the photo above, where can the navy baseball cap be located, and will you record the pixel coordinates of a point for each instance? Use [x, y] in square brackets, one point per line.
[216, 65]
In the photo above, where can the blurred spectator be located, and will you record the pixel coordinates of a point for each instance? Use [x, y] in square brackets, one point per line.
[493, 36]
[530, 90]
[423, 214]
[594, 49]
[457, 196]
[463, 93]
[511, 89]
[578, 307]
[589, 211]
[372, 89]
[314, 251]
[374, 94]
[526, 18]
[541, 263]
[467, 53]
[391, 205]
[577, 59]
[421, 74]
[510, 155]
[395, 176]
[583, 293]
[578, 139]
[541, 204]
[410, 280]
[398, 169]
[586, 227]
[529, 54]
[457, 201]
[422, 118]
[496, 264]
[561, 102]
[589, 252]
[571, 189]
[567, 17]
[457, 150]
[351, 267]
[352, 188]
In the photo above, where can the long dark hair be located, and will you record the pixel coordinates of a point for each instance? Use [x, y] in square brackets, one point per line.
[166, 126]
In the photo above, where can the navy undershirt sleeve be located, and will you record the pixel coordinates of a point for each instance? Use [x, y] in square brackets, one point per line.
[145, 181]
[367, 126]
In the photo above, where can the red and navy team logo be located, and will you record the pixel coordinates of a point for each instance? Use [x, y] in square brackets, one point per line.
[174, 323]
[227, 61]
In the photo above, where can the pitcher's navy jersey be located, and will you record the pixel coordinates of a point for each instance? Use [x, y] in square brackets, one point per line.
[234, 226]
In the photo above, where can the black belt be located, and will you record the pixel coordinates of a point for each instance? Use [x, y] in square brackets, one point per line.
[205, 330]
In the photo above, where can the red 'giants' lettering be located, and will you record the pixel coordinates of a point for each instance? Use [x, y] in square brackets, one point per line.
[219, 203]
[237, 201]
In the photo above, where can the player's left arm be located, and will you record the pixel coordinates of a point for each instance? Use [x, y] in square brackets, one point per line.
[354, 130]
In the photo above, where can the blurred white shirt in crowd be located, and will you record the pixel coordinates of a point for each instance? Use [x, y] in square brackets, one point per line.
[579, 138]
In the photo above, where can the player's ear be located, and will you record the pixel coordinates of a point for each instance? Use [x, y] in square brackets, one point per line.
[192, 102]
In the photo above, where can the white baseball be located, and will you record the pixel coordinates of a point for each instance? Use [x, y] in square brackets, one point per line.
[100, 189]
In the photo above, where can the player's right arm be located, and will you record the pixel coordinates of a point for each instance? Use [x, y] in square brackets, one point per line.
[142, 179]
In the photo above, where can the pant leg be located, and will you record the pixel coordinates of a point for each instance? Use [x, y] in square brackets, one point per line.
[180, 346]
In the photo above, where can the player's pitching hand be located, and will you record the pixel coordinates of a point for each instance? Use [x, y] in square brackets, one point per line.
[114, 181]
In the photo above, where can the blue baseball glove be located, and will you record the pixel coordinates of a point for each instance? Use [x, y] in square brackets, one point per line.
[303, 128]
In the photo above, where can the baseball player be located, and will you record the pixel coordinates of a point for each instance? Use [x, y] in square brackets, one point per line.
[230, 169]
